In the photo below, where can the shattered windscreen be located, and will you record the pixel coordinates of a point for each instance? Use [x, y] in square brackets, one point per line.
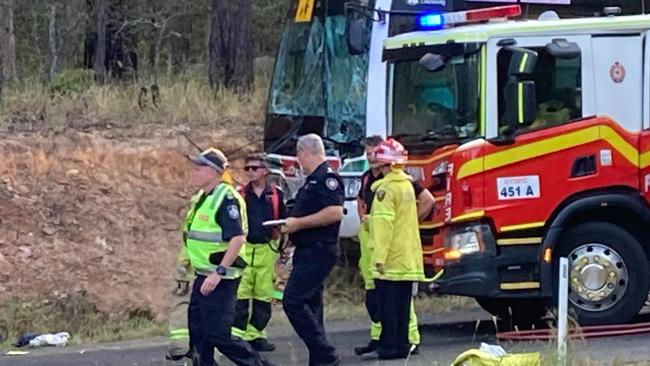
[316, 76]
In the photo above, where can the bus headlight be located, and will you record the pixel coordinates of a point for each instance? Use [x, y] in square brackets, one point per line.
[352, 187]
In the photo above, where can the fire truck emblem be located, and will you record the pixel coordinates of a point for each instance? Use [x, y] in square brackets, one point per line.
[617, 72]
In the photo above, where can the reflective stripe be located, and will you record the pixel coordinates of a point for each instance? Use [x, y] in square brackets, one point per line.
[178, 334]
[520, 102]
[522, 64]
[387, 214]
[212, 237]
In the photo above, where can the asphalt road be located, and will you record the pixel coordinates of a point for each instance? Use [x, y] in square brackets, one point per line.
[443, 339]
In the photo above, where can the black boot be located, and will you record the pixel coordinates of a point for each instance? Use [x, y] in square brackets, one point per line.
[262, 345]
[369, 348]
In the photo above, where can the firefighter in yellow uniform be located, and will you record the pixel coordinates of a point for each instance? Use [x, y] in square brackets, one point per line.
[425, 202]
[397, 251]
[214, 232]
[179, 335]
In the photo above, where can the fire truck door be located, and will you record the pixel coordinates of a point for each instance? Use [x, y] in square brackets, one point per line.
[618, 77]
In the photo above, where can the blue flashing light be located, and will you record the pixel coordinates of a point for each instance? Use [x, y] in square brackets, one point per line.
[430, 21]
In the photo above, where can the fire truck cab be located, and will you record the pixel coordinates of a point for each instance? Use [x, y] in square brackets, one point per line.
[555, 162]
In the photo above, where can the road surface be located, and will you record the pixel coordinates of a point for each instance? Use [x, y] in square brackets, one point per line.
[443, 338]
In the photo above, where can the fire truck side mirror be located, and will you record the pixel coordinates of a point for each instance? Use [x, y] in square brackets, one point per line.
[522, 61]
[357, 37]
[521, 104]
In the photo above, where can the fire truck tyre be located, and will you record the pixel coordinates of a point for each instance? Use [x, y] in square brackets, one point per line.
[520, 312]
[609, 273]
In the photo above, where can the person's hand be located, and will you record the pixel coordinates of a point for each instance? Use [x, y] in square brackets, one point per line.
[380, 268]
[291, 226]
[210, 284]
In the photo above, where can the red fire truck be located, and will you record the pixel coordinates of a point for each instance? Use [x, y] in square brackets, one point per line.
[554, 116]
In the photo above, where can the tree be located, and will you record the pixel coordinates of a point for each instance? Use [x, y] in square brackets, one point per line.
[100, 47]
[230, 46]
[8, 39]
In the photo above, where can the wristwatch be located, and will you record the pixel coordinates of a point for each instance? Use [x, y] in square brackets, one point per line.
[221, 270]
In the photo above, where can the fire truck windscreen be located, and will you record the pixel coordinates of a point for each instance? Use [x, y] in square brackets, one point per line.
[424, 101]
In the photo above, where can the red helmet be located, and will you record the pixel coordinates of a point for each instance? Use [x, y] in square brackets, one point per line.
[391, 152]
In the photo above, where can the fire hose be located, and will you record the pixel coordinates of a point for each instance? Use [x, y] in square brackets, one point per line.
[598, 331]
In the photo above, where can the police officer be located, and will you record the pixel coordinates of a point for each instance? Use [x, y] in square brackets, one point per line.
[264, 202]
[397, 253]
[313, 225]
[178, 332]
[425, 202]
[215, 229]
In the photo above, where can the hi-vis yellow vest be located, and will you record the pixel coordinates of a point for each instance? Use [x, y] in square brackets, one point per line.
[203, 235]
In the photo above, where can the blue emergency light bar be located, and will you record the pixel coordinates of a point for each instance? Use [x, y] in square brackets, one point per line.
[430, 21]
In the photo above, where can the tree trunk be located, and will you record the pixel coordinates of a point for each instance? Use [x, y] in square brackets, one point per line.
[54, 52]
[8, 39]
[2, 78]
[231, 45]
[100, 48]
[180, 44]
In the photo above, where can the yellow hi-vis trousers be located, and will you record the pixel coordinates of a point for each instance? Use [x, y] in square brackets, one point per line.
[255, 292]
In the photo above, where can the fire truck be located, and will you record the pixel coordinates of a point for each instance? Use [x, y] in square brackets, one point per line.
[552, 117]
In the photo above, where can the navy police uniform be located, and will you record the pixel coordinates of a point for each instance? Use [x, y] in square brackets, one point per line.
[314, 258]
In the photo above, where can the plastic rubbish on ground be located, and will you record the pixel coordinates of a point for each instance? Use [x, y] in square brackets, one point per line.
[17, 353]
[494, 355]
[24, 339]
[40, 340]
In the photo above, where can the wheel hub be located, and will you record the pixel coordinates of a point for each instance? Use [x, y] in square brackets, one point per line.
[598, 277]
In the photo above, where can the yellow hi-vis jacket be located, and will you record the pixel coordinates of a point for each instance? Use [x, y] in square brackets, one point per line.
[394, 230]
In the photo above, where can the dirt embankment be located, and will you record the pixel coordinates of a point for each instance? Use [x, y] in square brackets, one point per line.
[98, 214]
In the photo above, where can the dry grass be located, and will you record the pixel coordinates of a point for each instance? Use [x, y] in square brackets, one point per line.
[32, 107]
[76, 315]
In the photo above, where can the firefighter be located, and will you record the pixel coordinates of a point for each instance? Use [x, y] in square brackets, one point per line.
[425, 202]
[178, 332]
[264, 202]
[215, 229]
[313, 225]
[396, 259]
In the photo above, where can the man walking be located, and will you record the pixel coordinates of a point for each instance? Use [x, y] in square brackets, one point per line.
[313, 225]
[264, 202]
[215, 229]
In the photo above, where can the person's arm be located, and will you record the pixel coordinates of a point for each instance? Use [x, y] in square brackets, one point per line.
[381, 231]
[331, 196]
[229, 218]
[425, 204]
[327, 216]
[425, 200]
[282, 206]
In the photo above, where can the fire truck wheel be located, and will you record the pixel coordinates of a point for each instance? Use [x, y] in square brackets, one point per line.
[609, 273]
[523, 313]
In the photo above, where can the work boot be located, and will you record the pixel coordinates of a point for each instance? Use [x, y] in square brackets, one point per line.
[369, 348]
[391, 354]
[416, 350]
[262, 345]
